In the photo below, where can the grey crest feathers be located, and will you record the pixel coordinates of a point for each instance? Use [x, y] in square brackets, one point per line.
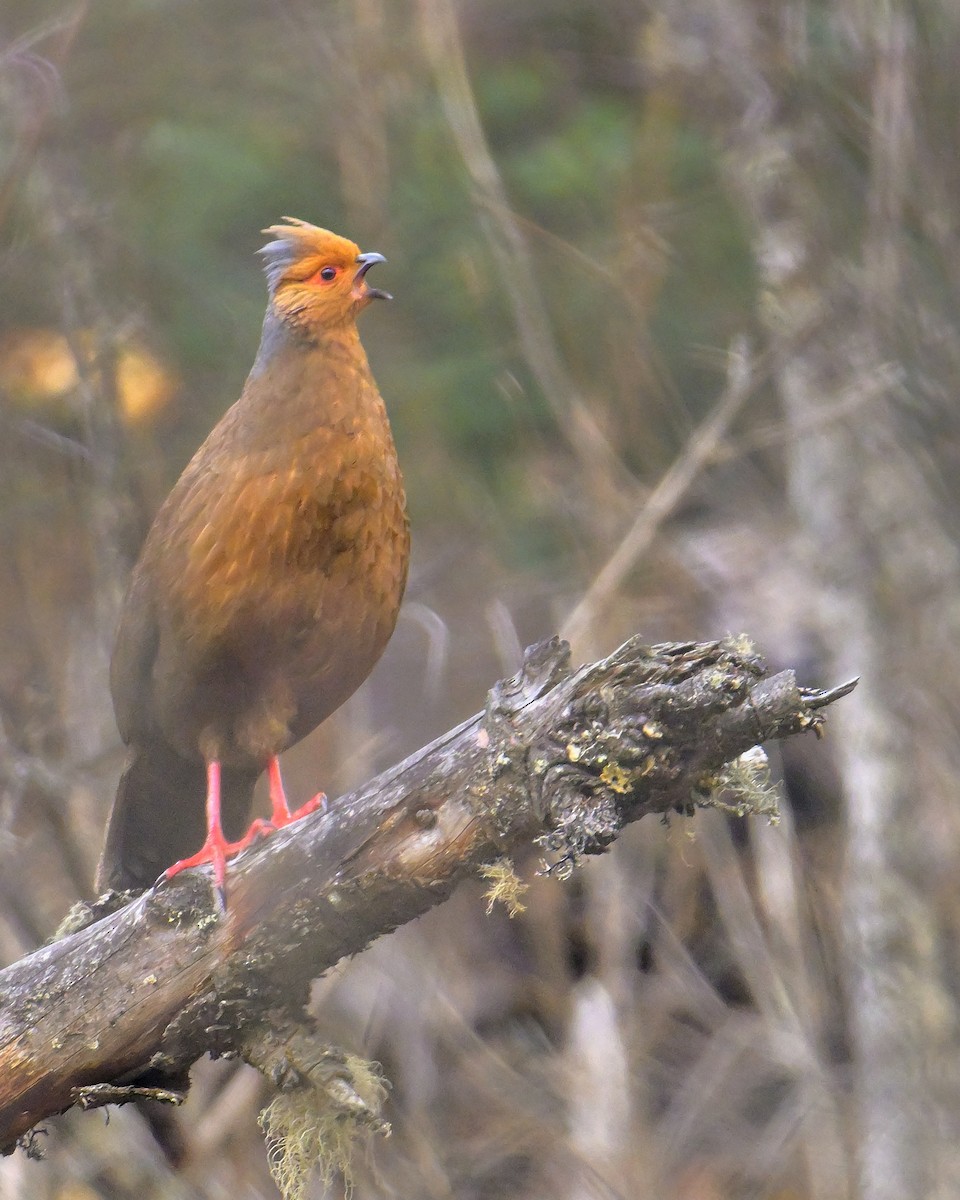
[292, 241]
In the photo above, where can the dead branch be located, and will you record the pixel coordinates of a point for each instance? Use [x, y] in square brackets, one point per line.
[560, 758]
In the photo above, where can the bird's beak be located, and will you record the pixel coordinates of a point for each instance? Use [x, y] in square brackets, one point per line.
[361, 289]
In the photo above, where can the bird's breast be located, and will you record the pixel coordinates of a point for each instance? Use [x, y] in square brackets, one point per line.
[287, 586]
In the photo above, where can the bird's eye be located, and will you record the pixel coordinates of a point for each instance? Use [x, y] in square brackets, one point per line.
[326, 274]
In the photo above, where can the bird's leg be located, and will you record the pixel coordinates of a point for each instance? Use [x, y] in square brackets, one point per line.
[280, 813]
[216, 849]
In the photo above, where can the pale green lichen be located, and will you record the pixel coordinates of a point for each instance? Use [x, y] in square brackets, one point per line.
[747, 784]
[739, 644]
[506, 886]
[320, 1128]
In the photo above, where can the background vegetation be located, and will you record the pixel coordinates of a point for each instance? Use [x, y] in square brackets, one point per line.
[674, 350]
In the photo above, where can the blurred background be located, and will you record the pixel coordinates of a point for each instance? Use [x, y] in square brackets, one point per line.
[674, 351]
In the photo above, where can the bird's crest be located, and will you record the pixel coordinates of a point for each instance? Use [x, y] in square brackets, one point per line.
[299, 240]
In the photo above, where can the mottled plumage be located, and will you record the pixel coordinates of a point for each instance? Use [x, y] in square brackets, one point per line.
[271, 578]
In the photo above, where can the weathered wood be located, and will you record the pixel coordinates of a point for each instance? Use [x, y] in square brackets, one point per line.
[560, 758]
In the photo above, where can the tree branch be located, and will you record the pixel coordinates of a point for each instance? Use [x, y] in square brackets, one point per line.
[560, 758]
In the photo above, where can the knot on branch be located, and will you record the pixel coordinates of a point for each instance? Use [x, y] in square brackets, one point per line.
[544, 666]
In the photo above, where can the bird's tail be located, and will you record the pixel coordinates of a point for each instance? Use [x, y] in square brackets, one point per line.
[158, 815]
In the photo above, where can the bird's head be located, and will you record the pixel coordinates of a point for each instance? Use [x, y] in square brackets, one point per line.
[317, 279]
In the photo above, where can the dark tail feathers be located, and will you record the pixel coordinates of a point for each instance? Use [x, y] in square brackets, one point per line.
[158, 815]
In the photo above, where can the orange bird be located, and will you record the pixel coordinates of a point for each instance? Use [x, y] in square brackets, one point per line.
[270, 581]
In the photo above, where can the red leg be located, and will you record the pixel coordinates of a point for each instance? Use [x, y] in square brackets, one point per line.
[216, 849]
[280, 813]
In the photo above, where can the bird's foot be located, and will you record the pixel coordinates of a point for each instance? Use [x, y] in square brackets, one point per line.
[258, 829]
[281, 817]
[280, 814]
[319, 801]
[215, 851]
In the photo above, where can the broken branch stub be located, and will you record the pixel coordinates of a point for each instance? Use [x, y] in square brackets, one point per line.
[647, 730]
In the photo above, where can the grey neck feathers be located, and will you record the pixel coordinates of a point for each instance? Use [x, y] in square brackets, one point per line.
[276, 337]
[280, 334]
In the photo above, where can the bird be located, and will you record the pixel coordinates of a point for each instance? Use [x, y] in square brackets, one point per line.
[269, 582]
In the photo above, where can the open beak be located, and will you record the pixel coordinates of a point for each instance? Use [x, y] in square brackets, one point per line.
[362, 290]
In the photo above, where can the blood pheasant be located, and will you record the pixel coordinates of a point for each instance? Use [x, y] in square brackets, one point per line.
[270, 581]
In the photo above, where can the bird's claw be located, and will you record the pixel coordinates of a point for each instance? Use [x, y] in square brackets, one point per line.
[214, 852]
[319, 801]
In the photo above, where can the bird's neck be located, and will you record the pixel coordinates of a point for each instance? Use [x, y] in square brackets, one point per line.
[283, 335]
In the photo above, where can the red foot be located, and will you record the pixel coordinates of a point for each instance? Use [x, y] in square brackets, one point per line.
[216, 849]
[280, 813]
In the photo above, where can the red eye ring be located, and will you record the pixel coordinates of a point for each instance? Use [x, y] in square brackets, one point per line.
[325, 275]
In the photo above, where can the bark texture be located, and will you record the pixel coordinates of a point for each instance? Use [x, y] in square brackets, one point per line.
[561, 758]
